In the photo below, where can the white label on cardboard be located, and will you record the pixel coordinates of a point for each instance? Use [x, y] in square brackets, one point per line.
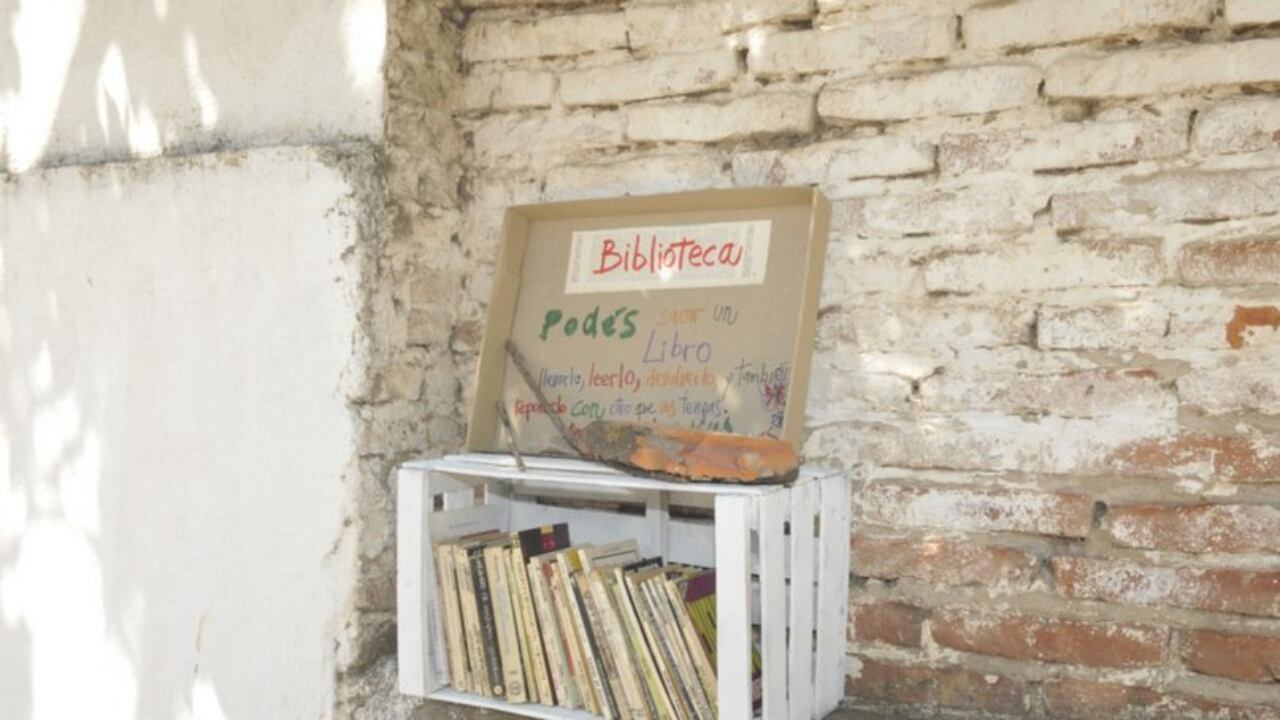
[668, 256]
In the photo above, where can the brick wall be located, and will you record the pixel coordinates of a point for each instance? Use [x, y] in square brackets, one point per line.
[1049, 344]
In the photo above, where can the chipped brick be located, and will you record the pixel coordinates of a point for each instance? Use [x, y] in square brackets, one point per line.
[1242, 592]
[1049, 22]
[853, 47]
[955, 91]
[963, 508]
[1196, 528]
[1075, 642]
[942, 561]
[1163, 70]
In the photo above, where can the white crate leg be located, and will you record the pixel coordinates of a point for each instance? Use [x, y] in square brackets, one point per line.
[833, 594]
[800, 663]
[415, 585]
[733, 606]
[773, 602]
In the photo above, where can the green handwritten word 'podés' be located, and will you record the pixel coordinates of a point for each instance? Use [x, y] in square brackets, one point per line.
[620, 323]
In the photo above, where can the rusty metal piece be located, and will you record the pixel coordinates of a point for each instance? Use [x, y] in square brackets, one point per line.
[697, 455]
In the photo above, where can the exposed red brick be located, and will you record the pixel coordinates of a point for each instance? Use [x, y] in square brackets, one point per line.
[888, 622]
[1188, 706]
[969, 690]
[1075, 699]
[1217, 457]
[1197, 528]
[1077, 642]
[968, 508]
[1248, 658]
[944, 562]
[1250, 317]
[1216, 590]
[1235, 262]
[949, 687]
[892, 683]
[1072, 699]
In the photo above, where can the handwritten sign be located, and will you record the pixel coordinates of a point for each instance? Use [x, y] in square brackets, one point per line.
[668, 257]
[694, 310]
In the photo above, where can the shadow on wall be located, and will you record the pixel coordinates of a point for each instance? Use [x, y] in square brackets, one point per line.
[94, 80]
[88, 81]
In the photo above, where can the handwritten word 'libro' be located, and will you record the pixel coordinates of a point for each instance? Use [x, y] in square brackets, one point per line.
[668, 257]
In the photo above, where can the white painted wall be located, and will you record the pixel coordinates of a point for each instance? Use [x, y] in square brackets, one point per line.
[83, 80]
[173, 437]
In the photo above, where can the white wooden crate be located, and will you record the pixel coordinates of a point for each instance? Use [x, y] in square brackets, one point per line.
[781, 556]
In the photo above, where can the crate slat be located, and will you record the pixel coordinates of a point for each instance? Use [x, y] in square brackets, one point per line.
[771, 530]
[833, 595]
[733, 607]
[800, 661]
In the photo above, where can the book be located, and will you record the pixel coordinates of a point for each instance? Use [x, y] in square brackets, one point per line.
[554, 640]
[604, 655]
[488, 631]
[700, 601]
[531, 652]
[570, 565]
[694, 642]
[575, 644]
[455, 637]
[681, 703]
[659, 703]
[622, 552]
[496, 563]
[634, 703]
[470, 612]
[683, 664]
[527, 545]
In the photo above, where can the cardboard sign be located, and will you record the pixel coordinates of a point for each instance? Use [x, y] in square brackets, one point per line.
[693, 309]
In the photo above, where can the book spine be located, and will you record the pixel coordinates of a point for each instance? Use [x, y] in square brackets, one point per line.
[552, 641]
[504, 624]
[595, 662]
[684, 665]
[534, 653]
[609, 675]
[701, 664]
[572, 642]
[634, 703]
[657, 694]
[454, 648]
[488, 627]
[471, 624]
[666, 662]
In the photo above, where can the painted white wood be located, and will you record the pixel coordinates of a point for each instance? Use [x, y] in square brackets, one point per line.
[770, 529]
[800, 652]
[833, 594]
[733, 607]
[533, 711]
[657, 513]
[416, 675]
[574, 472]
[459, 499]
[793, 689]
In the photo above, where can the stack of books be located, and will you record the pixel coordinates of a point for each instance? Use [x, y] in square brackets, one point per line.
[531, 618]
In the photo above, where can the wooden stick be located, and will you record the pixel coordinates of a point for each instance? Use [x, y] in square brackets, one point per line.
[511, 434]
